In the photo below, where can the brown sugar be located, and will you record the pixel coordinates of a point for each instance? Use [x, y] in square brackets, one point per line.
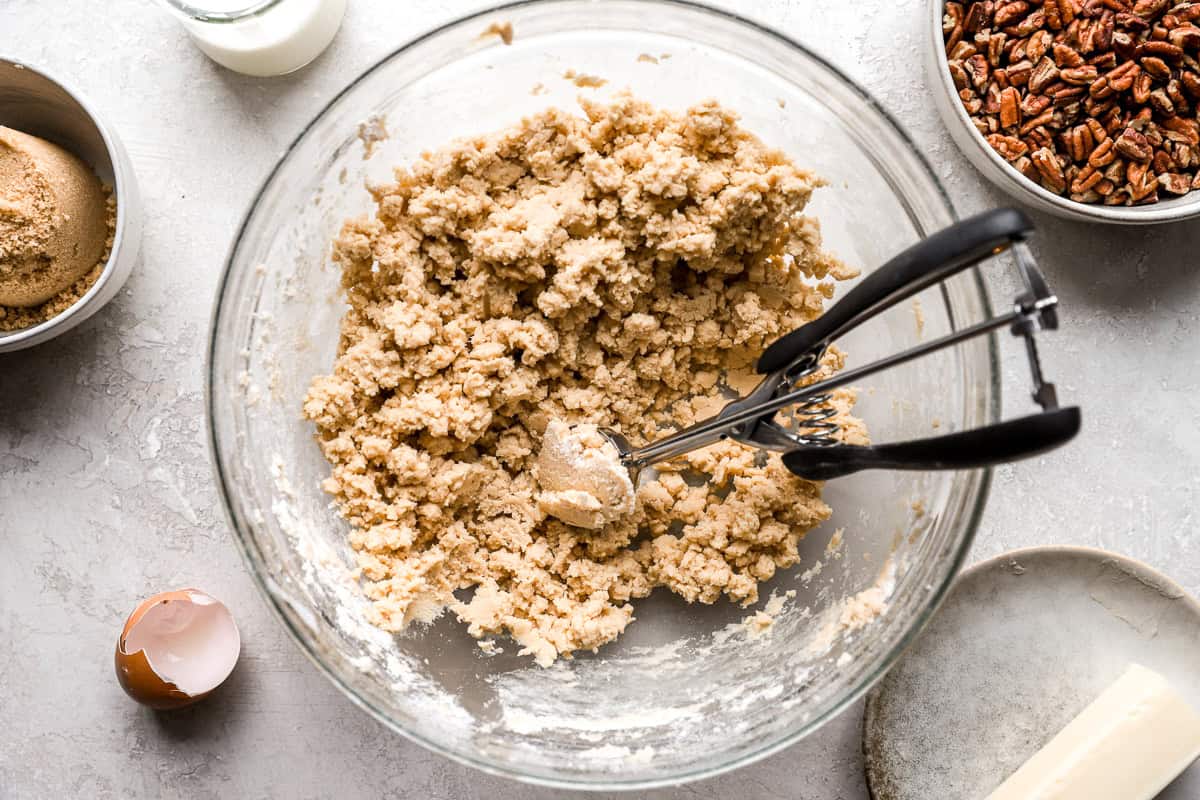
[56, 229]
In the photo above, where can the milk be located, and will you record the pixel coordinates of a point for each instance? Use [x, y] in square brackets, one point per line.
[280, 39]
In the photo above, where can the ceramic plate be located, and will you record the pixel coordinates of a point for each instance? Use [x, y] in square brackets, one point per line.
[1024, 642]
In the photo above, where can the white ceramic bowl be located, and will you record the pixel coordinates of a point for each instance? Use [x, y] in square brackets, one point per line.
[36, 103]
[1003, 174]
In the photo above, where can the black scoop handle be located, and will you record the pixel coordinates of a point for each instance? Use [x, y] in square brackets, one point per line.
[983, 447]
[925, 263]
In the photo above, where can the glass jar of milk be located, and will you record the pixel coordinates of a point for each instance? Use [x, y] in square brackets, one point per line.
[261, 37]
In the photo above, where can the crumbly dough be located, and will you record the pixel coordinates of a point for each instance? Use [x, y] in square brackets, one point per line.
[504, 30]
[584, 80]
[581, 478]
[612, 269]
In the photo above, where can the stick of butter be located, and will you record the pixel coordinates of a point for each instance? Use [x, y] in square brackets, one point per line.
[1131, 742]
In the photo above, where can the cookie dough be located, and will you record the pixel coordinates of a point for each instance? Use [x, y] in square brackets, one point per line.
[581, 477]
[612, 269]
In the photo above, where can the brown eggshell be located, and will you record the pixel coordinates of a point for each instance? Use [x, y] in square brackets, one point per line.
[134, 673]
[142, 683]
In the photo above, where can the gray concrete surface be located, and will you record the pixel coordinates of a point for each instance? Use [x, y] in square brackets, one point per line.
[105, 486]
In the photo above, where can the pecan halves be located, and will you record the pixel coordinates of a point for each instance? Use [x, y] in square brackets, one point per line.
[1184, 130]
[1079, 76]
[1142, 86]
[1185, 37]
[977, 70]
[1150, 9]
[1010, 13]
[1044, 74]
[1097, 100]
[1049, 170]
[1010, 108]
[1133, 145]
[1163, 50]
[1010, 148]
[1174, 183]
[1079, 142]
[1067, 56]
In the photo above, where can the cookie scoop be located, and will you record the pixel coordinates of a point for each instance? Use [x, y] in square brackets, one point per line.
[791, 367]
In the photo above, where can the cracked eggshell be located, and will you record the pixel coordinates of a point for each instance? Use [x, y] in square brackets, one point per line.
[176, 648]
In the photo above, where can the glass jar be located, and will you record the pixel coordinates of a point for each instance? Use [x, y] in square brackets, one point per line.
[261, 37]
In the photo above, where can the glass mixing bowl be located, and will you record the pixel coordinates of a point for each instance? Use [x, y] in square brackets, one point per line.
[686, 692]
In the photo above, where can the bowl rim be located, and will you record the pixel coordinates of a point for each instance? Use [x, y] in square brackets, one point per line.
[122, 195]
[189, 9]
[1047, 550]
[278, 602]
[1023, 187]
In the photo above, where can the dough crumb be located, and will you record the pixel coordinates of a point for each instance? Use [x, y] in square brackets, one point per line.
[761, 622]
[504, 30]
[371, 132]
[609, 269]
[862, 609]
[583, 80]
[647, 58]
[833, 547]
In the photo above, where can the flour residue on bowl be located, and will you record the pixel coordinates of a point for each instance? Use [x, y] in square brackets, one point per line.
[855, 612]
[566, 700]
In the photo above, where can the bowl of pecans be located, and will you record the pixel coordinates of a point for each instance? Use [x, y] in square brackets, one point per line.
[1082, 108]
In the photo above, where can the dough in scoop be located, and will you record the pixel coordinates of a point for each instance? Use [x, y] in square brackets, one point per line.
[581, 476]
